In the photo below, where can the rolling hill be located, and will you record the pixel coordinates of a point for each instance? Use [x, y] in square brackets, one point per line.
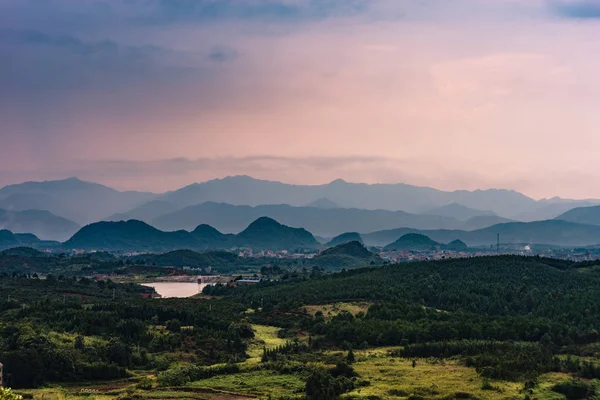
[413, 241]
[345, 238]
[133, 235]
[582, 215]
[9, 240]
[43, 224]
[266, 233]
[348, 255]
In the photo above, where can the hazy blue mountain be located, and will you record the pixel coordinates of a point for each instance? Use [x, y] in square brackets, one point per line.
[266, 233]
[551, 232]
[456, 245]
[347, 255]
[322, 222]
[583, 215]
[10, 240]
[76, 200]
[482, 221]
[244, 190]
[133, 235]
[552, 208]
[413, 241]
[145, 212]
[345, 238]
[323, 202]
[41, 223]
[460, 212]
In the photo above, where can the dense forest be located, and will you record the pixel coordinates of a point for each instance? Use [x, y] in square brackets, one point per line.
[65, 330]
[509, 318]
[471, 307]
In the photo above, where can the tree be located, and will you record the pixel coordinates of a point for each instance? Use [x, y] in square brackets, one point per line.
[320, 385]
[80, 343]
[350, 357]
[173, 325]
[7, 394]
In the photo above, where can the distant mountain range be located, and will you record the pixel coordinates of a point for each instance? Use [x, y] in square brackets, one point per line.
[460, 212]
[551, 232]
[582, 215]
[43, 224]
[268, 234]
[9, 240]
[326, 222]
[230, 204]
[264, 233]
[73, 199]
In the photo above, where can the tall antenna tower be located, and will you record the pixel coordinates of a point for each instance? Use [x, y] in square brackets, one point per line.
[498, 243]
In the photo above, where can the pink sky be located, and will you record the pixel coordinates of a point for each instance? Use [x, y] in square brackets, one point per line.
[456, 95]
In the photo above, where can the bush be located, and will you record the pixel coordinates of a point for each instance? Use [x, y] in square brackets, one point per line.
[8, 394]
[574, 389]
[144, 384]
[179, 375]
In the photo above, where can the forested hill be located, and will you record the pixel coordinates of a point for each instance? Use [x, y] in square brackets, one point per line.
[348, 255]
[264, 233]
[495, 293]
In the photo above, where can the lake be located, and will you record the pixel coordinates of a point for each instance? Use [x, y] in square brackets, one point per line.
[176, 289]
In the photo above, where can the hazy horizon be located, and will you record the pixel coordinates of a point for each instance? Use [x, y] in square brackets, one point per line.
[125, 189]
[154, 95]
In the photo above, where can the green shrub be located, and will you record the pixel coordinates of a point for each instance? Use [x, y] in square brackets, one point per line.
[179, 375]
[574, 389]
[8, 394]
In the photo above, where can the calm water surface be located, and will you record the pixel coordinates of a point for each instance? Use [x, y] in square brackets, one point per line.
[176, 289]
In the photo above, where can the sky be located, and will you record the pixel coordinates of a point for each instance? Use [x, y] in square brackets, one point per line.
[156, 94]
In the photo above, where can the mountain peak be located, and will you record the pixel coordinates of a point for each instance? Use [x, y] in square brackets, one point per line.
[206, 230]
[265, 232]
[354, 248]
[345, 238]
[412, 241]
[338, 181]
[324, 203]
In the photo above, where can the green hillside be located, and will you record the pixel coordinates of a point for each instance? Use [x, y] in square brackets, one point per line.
[266, 233]
[582, 215]
[345, 238]
[347, 255]
[413, 241]
[130, 235]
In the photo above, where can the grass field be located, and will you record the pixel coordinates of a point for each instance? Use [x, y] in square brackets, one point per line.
[388, 378]
[395, 378]
[331, 310]
[261, 383]
[265, 336]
